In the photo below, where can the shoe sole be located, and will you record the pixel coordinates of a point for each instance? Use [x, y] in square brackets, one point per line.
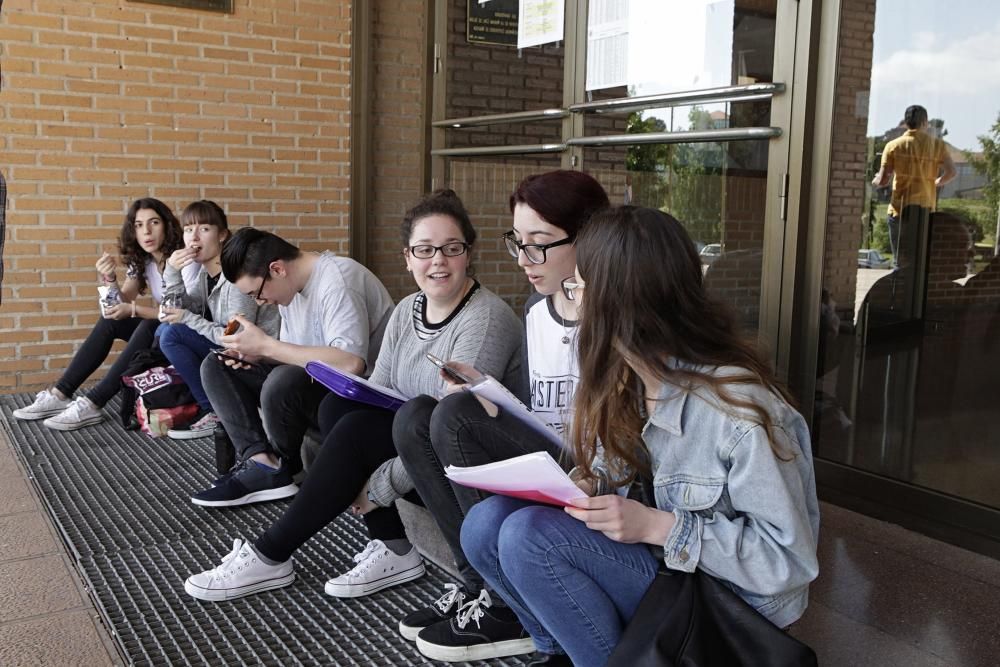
[409, 632]
[475, 652]
[188, 435]
[361, 590]
[34, 416]
[256, 497]
[221, 595]
[58, 426]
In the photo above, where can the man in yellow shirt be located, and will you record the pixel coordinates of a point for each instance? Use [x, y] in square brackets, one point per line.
[918, 164]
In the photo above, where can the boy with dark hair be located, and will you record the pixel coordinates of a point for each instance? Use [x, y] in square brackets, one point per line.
[333, 310]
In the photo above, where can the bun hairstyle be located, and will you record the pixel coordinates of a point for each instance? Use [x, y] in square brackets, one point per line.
[439, 202]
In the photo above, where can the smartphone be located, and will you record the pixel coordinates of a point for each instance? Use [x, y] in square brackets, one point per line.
[452, 374]
[223, 353]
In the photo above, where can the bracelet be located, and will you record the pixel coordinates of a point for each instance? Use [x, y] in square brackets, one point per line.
[110, 278]
[133, 309]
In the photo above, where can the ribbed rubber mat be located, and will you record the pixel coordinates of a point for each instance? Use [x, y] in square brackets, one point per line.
[122, 503]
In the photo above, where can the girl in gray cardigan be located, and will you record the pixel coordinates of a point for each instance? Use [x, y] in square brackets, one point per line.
[452, 317]
[197, 315]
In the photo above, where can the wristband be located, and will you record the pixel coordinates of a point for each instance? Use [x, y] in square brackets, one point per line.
[133, 309]
[109, 277]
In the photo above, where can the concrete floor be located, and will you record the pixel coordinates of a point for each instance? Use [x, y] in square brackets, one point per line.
[885, 596]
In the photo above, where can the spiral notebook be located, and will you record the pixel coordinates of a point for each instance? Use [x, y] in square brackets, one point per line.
[354, 387]
[491, 389]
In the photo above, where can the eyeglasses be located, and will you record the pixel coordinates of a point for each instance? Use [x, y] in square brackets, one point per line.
[535, 252]
[570, 287]
[260, 290]
[448, 250]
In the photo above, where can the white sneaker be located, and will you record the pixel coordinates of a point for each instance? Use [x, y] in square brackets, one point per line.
[202, 428]
[378, 567]
[81, 412]
[240, 573]
[46, 404]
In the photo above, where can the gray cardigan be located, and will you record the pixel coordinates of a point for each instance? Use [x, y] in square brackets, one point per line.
[224, 301]
[485, 334]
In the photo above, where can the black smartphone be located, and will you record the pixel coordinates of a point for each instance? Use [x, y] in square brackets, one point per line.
[224, 353]
[452, 374]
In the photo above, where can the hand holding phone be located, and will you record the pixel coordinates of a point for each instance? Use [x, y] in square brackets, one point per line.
[453, 375]
[225, 354]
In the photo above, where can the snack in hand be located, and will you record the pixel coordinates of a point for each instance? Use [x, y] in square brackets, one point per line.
[231, 328]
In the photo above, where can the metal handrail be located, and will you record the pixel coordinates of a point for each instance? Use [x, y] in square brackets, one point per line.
[523, 149]
[499, 118]
[745, 93]
[687, 137]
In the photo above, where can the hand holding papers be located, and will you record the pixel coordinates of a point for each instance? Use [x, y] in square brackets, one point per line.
[534, 476]
[355, 388]
[490, 389]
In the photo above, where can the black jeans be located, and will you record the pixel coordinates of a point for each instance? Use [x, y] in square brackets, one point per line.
[357, 439]
[95, 349]
[459, 432]
[288, 399]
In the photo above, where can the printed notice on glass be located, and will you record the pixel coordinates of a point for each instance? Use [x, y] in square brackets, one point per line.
[607, 44]
[540, 22]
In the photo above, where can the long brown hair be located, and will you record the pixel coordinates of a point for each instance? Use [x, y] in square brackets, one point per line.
[643, 300]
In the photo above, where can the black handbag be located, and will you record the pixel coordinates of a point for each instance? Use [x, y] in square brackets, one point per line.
[693, 620]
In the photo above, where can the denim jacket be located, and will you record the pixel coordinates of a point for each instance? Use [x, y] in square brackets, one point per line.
[742, 514]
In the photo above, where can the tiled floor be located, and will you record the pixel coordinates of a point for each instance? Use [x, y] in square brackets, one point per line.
[45, 616]
[886, 596]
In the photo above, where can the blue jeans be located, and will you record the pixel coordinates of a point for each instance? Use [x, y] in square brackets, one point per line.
[186, 349]
[570, 586]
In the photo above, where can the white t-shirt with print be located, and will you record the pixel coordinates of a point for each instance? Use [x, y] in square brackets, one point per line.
[553, 366]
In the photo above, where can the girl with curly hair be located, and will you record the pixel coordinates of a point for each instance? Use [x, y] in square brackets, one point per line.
[148, 236]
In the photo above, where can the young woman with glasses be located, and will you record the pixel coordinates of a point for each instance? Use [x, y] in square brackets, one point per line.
[468, 622]
[452, 317]
[686, 447]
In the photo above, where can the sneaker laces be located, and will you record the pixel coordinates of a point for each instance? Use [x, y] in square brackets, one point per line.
[474, 610]
[226, 568]
[453, 596]
[74, 409]
[366, 558]
[207, 419]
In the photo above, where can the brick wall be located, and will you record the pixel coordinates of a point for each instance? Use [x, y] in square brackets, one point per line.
[399, 83]
[105, 101]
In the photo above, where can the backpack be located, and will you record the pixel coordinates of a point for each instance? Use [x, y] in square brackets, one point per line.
[154, 396]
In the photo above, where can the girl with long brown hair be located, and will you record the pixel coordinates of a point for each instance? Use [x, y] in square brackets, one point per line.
[686, 445]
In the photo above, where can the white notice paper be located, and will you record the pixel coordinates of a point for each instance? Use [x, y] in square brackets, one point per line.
[540, 22]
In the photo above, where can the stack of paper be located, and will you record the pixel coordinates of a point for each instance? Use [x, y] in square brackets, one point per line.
[534, 476]
[489, 388]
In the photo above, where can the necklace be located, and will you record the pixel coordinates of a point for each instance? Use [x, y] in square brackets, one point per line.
[565, 338]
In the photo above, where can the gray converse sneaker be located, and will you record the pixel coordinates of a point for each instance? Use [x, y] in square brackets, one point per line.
[46, 404]
[81, 412]
[202, 428]
[377, 567]
[240, 573]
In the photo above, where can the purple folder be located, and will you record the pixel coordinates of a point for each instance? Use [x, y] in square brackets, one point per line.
[355, 388]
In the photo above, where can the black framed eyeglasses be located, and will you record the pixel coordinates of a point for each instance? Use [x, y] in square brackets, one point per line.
[448, 250]
[572, 288]
[260, 290]
[535, 252]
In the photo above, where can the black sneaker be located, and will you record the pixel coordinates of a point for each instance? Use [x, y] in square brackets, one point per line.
[478, 631]
[251, 483]
[442, 609]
